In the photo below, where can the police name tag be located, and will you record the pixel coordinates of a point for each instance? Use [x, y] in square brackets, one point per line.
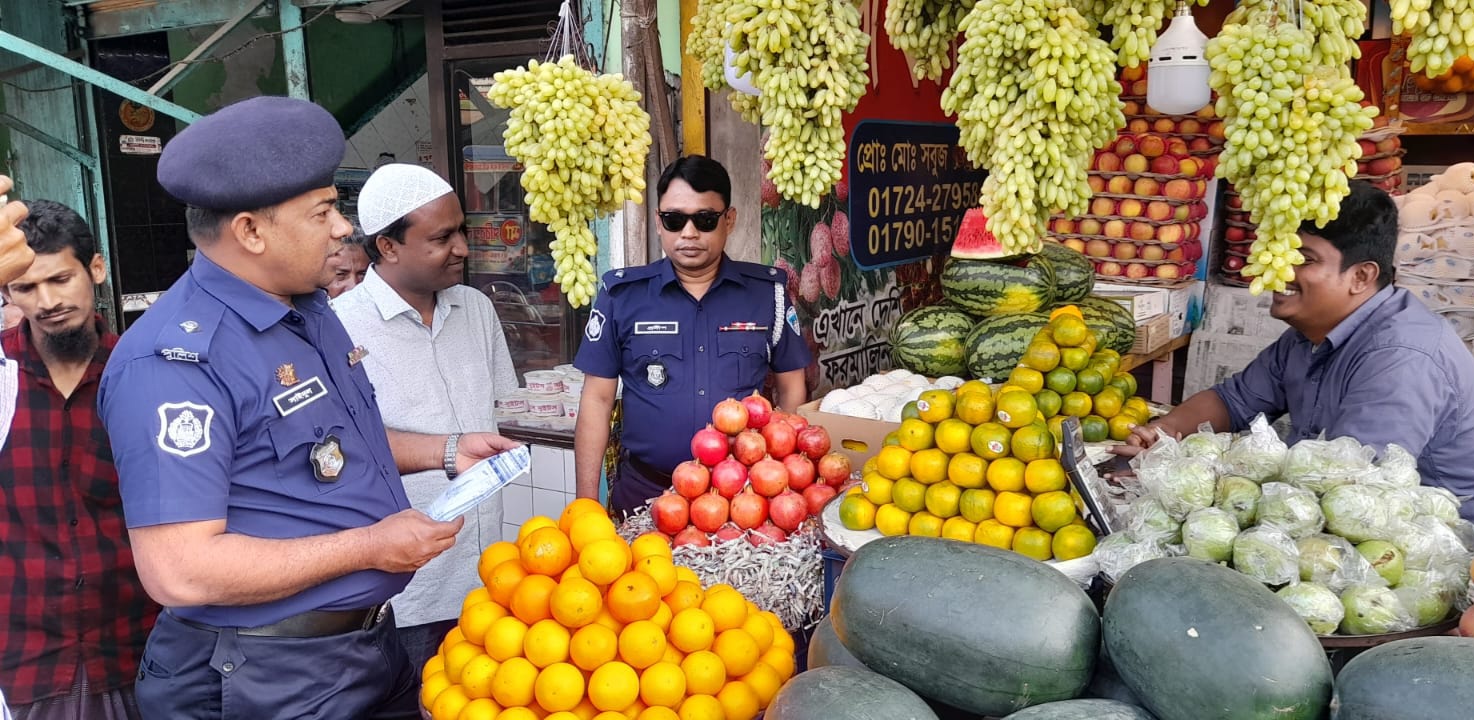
[478, 484]
[657, 328]
[300, 395]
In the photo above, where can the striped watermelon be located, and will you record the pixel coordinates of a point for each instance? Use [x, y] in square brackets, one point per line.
[1111, 322]
[930, 340]
[996, 343]
[1074, 276]
[985, 287]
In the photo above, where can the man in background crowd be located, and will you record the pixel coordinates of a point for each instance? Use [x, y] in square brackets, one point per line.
[347, 266]
[75, 614]
[436, 354]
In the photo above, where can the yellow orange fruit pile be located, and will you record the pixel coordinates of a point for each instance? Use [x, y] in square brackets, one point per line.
[573, 623]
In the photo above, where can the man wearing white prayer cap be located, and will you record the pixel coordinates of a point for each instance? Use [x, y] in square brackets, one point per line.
[435, 352]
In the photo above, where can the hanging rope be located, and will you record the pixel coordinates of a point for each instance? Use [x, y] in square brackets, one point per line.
[567, 39]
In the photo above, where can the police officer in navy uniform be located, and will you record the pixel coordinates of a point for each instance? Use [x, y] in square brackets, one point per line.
[681, 334]
[260, 488]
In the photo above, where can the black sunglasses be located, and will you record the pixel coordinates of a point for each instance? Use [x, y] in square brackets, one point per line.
[705, 220]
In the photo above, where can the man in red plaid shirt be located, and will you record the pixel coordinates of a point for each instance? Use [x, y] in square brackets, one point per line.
[75, 616]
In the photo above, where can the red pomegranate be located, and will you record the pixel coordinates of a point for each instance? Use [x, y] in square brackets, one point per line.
[749, 447]
[728, 533]
[729, 417]
[759, 410]
[800, 471]
[781, 437]
[768, 477]
[834, 468]
[817, 495]
[788, 510]
[767, 534]
[691, 536]
[798, 421]
[671, 513]
[690, 479]
[709, 446]
[813, 441]
[708, 512]
[728, 477]
[749, 509]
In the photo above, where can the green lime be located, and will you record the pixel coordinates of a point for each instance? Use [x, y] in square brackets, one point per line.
[1090, 381]
[1048, 401]
[1095, 428]
[1061, 380]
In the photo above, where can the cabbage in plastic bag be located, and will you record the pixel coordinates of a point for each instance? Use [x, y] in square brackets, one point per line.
[1182, 485]
[1429, 596]
[1334, 562]
[1148, 521]
[1258, 455]
[1205, 443]
[1374, 610]
[1428, 544]
[1239, 497]
[1358, 512]
[1319, 465]
[1267, 554]
[1316, 604]
[1399, 468]
[1208, 534]
[1118, 553]
[1435, 502]
[1294, 510]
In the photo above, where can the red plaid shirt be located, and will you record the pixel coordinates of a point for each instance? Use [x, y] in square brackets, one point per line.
[68, 590]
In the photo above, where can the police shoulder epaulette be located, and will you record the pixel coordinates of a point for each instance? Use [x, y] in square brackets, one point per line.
[187, 336]
[629, 274]
[760, 271]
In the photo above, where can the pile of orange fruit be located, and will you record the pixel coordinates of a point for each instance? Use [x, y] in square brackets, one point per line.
[1458, 79]
[574, 623]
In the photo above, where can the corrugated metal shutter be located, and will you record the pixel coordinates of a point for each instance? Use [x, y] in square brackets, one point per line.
[478, 22]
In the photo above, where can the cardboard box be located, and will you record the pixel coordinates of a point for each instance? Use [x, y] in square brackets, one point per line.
[858, 438]
[1144, 302]
[1234, 311]
[1152, 335]
[1184, 305]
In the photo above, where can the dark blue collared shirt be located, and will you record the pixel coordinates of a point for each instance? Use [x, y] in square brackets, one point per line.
[678, 356]
[1391, 372]
[218, 401]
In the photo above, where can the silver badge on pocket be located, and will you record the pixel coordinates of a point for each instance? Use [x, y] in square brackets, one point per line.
[327, 459]
[655, 374]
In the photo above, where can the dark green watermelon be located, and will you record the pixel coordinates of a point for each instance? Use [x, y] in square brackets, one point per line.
[1112, 323]
[985, 287]
[996, 343]
[1074, 276]
[1417, 678]
[931, 341]
[1084, 709]
[846, 693]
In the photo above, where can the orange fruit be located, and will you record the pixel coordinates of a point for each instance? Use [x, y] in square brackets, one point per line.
[1041, 476]
[976, 406]
[705, 673]
[685, 574]
[480, 709]
[641, 644]
[976, 505]
[726, 606]
[686, 594]
[990, 440]
[967, 470]
[650, 543]
[662, 616]
[1032, 442]
[449, 703]
[738, 700]
[576, 509]
[494, 555]
[663, 685]
[559, 687]
[436, 664]
[452, 638]
[477, 595]
[657, 713]
[475, 620]
[929, 466]
[576, 602]
[1006, 474]
[1033, 543]
[531, 599]
[761, 631]
[504, 638]
[546, 643]
[533, 524]
[893, 462]
[431, 687]
[517, 713]
[942, 499]
[915, 434]
[1121, 425]
[614, 686]
[546, 551]
[959, 528]
[634, 596]
[1073, 541]
[505, 578]
[476, 676]
[1108, 402]
[951, 436]
[1041, 356]
[1016, 409]
[780, 659]
[934, 406]
[1013, 509]
[1053, 510]
[1069, 330]
[924, 524]
[608, 620]
[661, 570]
[1076, 404]
[590, 527]
[691, 630]
[991, 532]
[738, 651]
[603, 561]
[701, 707]
[456, 658]
[513, 683]
[764, 681]
[592, 646]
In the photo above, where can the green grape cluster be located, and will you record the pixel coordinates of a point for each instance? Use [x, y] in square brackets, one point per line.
[1093, 10]
[924, 31]
[1335, 25]
[1034, 93]
[1440, 32]
[1290, 130]
[808, 61]
[1135, 25]
[583, 139]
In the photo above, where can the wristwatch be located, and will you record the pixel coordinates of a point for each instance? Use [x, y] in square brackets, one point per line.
[452, 441]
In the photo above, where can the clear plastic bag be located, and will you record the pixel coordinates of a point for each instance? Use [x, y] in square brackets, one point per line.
[1292, 509]
[1205, 443]
[1258, 455]
[1239, 497]
[1181, 484]
[1268, 555]
[1428, 544]
[1319, 465]
[1118, 553]
[1148, 521]
[1316, 604]
[1399, 469]
[1359, 512]
[1429, 595]
[1436, 502]
[1372, 610]
[1333, 561]
[1208, 534]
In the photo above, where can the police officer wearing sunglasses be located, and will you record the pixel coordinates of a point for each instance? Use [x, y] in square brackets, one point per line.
[682, 334]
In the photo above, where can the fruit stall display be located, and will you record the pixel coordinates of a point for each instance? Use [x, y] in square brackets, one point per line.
[1435, 246]
[1356, 547]
[981, 467]
[574, 622]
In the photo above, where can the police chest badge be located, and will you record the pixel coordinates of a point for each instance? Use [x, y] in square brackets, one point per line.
[655, 374]
[184, 428]
[327, 459]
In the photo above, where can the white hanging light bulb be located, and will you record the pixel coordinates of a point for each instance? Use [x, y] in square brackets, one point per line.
[741, 83]
[1177, 76]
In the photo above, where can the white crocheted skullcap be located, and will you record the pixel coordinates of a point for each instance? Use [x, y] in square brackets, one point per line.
[396, 190]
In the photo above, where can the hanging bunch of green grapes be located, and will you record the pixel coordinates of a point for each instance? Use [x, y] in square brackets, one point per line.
[583, 139]
[807, 59]
[1135, 25]
[1440, 31]
[924, 31]
[1035, 94]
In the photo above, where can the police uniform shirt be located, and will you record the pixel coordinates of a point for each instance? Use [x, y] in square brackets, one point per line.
[678, 357]
[224, 403]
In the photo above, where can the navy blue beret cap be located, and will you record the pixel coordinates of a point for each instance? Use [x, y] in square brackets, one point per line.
[253, 154]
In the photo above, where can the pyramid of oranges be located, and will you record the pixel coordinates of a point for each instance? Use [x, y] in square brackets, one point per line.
[978, 466]
[575, 623]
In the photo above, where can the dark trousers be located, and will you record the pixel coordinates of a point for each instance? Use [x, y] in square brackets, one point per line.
[634, 485]
[194, 672]
[422, 641]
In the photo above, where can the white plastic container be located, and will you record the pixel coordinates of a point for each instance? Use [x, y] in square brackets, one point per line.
[544, 382]
[570, 405]
[545, 405]
[573, 388]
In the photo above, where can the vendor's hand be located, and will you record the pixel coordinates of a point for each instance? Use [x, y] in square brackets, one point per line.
[1143, 437]
[406, 540]
[475, 447]
[15, 254]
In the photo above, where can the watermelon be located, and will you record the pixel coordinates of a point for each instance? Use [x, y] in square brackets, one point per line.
[995, 344]
[1428, 677]
[1086, 709]
[1074, 276]
[846, 693]
[1111, 323]
[986, 287]
[974, 242]
[931, 341]
[825, 649]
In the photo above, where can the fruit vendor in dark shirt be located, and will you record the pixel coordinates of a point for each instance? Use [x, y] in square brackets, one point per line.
[683, 333]
[1361, 358]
